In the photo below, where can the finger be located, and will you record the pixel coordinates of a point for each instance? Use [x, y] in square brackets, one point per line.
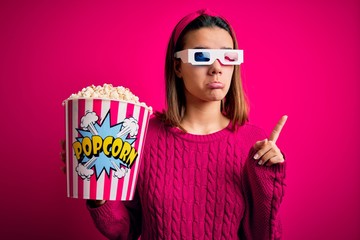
[275, 160]
[63, 156]
[62, 143]
[266, 157]
[264, 149]
[277, 129]
[63, 169]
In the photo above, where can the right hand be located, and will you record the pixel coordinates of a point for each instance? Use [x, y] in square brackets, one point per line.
[267, 151]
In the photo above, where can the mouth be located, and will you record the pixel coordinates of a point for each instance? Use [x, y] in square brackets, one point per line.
[216, 85]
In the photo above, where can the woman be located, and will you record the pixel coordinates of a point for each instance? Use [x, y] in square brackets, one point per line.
[206, 173]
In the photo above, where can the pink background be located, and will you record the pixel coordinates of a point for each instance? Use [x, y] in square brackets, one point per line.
[301, 59]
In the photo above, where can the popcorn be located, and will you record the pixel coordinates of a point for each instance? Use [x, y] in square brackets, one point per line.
[108, 91]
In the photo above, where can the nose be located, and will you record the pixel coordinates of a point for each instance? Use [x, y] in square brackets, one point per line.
[215, 68]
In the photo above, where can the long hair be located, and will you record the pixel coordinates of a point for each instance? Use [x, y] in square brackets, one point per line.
[234, 106]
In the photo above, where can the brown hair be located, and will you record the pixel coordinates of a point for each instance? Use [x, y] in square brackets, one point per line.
[234, 106]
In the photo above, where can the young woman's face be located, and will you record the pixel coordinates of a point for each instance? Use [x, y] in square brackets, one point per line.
[206, 83]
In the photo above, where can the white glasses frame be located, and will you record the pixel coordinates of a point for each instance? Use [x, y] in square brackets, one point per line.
[188, 56]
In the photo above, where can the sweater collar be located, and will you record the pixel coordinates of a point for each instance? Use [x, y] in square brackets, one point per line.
[221, 134]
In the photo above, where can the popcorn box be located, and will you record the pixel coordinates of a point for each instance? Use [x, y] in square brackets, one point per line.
[104, 141]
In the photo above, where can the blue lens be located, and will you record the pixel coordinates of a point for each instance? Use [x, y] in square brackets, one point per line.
[202, 56]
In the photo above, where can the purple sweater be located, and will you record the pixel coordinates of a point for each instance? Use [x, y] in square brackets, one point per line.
[198, 187]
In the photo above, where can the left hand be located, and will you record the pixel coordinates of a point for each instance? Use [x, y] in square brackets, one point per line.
[63, 155]
[267, 153]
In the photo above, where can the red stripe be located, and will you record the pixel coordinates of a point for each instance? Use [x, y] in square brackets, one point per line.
[114, 108]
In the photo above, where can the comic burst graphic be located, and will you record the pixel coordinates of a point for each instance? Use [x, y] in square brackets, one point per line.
[88, 165]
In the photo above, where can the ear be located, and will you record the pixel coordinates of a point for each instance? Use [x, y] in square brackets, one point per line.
[177, 68]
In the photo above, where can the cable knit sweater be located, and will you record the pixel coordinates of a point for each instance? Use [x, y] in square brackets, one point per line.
[198, 187]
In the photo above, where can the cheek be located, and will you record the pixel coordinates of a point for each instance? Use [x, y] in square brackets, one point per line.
[228, 73]
[191, 73]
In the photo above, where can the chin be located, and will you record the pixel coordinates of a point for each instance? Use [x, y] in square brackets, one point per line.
[216, 98]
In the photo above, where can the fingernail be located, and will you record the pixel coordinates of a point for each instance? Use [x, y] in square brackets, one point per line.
[260, 162]
[256, 156]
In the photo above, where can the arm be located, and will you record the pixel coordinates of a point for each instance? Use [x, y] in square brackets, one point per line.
[117, 219]
[263, 189]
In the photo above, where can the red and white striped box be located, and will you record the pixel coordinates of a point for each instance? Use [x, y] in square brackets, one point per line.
[104, 141]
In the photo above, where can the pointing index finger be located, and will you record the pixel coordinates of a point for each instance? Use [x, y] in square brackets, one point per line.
[277, 129]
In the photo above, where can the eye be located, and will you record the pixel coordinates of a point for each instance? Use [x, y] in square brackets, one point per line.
[231, 57]
[202, 56]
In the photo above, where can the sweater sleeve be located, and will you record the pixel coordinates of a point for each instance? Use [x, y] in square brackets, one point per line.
[118, 219]
[263, 189]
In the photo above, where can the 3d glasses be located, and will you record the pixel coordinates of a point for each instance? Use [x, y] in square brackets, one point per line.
[208, 56]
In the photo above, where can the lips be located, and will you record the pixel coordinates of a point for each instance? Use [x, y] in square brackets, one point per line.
[216, 85]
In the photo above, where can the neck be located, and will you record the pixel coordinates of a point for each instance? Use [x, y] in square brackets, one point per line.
[204, 118]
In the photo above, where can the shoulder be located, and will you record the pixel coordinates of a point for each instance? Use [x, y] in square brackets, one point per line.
[250, 133]
[156, 135]
[155, 127]
[155, 123]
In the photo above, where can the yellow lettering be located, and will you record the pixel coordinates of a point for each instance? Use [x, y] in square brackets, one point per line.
[107, 144]
[110, 146]
[97, 144]
[132, 156]
[86, 146]
[116, 147]
[125, 151]
[77, 150]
